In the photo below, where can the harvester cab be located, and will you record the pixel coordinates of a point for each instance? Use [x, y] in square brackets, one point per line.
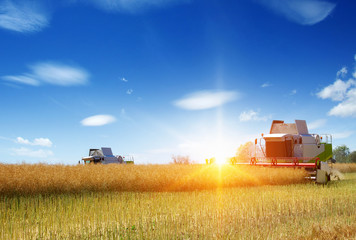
[291, 145]
[105, 156]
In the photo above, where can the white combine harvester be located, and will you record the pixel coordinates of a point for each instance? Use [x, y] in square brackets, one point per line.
[105, 156]
[291, 145]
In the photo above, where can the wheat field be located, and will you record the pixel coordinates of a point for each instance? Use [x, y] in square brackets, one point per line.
[35, 179]
[345, 167]
[172, 202]
[297, 211]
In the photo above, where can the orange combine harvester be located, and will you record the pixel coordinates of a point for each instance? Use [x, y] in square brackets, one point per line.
[291, 145]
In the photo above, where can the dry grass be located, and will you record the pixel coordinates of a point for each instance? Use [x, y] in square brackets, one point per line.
[34, 179]
[345, 167]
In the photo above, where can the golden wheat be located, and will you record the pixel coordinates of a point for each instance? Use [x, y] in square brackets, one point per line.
[298, 211]
[345, 167]
[33, 179]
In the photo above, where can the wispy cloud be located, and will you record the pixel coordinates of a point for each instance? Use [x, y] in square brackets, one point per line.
[305, 12]
[354, 74]
[6, 138]
[342, 72]
[132, 5]
[124, 79]
[316, 124]
[124, 115]
[59, 74]
[98, 120]
[26, 152]
[129, 91]
[342, 135]
[252, 115]
[206, 99]
[28, 80]
[51, 73]
[22, 16]
[293, 92]
[45, 142]
[267, 84]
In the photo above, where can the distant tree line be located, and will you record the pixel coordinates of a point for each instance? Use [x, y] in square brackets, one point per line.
[342, 154]
[178, 159]
[243, 153]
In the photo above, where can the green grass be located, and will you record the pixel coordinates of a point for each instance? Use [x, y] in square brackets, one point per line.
[302, 211]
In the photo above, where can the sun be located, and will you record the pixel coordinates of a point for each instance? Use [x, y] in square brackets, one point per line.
[221, 158]
[220, 161]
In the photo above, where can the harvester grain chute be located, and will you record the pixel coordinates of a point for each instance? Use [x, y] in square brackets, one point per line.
[291, 145]
[105, 156]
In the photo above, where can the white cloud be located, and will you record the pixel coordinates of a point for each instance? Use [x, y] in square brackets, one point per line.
[124, 79]
[305, 12]
[129, 91]
[23, 17]
[346, 108]
[342, 135]
[336, 91]
[251, 115]
[31, 153]
[45, 142]
[22, 141]
[206, 99]
[42, 142]
[98, 120]
[266, 85]
[132, 5]
[58, 74]
[342, 72]
[343, 92]
[316, 124]
[51, 73]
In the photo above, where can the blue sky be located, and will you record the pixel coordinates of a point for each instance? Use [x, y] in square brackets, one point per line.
[153, 78]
